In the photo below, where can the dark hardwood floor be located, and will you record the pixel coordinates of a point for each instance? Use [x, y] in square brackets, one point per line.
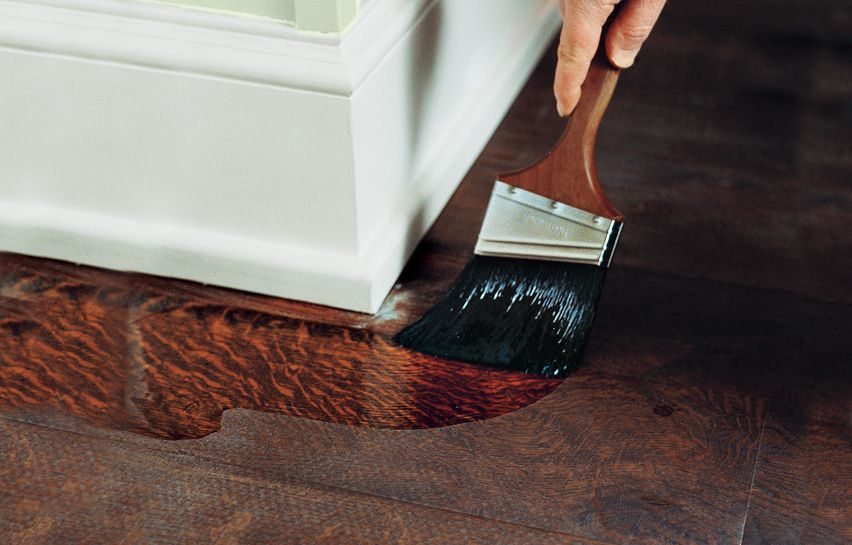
[714, 405]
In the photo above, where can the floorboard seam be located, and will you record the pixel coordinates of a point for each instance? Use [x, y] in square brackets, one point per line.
[753, 477]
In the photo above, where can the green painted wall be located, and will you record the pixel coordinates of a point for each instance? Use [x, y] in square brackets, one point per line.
[312, 15]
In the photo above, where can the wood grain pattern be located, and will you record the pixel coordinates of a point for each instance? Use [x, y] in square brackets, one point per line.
[596, 460]
[801, 483]
[593, 459]
[147, 497]
[713, 406]
[139, 359]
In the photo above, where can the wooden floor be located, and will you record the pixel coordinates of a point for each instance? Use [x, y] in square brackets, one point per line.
[714, 404]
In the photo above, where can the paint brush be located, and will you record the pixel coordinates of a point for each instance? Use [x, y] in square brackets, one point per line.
[526, 300]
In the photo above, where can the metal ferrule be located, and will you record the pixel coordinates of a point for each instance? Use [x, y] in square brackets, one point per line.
[522, 224]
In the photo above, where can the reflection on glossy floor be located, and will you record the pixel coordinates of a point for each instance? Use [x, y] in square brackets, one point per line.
[713, 406]
[127, 352]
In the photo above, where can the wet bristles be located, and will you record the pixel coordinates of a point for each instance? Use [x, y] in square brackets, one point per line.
[519, 314]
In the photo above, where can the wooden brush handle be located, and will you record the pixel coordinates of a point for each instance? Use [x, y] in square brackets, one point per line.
[567, 174]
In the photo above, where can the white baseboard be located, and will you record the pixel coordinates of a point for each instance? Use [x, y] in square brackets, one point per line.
[242, 153]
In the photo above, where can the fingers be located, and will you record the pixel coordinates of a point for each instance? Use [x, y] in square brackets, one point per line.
[581, 31]
[631, 28]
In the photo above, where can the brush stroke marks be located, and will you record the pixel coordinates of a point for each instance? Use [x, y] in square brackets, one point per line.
[118, 352]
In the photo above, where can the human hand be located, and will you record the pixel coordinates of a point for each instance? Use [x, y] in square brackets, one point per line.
[581, 33]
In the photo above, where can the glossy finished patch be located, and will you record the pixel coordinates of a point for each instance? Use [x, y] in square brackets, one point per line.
[116, 352]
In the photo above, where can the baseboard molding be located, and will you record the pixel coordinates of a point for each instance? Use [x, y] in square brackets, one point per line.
[309, 215]
[438, 175]
[211, 258]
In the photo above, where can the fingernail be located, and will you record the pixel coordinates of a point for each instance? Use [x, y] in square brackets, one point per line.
[623, 58]
[561, 109]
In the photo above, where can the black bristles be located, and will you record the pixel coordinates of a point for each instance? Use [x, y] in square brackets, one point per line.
[519, 314]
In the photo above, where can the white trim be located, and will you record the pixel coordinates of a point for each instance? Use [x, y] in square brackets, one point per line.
[325, 222]
[328, 16]
[202, 256]
[154, 12]
[438, 176]
[381, 25]
[219, 45]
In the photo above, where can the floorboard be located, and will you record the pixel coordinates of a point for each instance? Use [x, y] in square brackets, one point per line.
[801, 484]
[62, 488]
